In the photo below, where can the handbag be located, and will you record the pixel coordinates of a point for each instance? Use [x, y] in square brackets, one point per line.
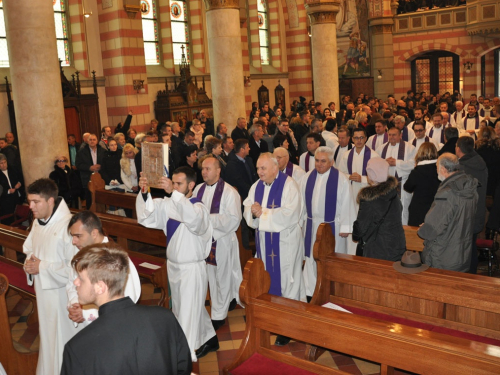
[361, 243]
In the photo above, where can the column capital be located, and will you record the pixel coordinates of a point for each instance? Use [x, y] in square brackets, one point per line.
[322, 11]
[221, 4]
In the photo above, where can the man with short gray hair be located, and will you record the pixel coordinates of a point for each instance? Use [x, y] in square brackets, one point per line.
[273, 208]
[407, 134]
[449, 224]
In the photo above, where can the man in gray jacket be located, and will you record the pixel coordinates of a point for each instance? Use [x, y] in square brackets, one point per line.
[449, 225]
[473, 164]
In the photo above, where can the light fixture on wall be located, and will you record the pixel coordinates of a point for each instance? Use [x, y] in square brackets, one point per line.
[379, 74]
[139, 86]
[247, 81]
[87, 14]
[468, 66]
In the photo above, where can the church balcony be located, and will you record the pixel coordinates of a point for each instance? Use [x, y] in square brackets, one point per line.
[479, 17]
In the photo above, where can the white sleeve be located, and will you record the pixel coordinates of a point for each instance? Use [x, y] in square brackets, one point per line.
[152, 213]
[345, 202]
[247, 211]
[133, 285]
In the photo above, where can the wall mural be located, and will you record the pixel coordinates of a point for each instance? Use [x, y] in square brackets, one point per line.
[353, 52]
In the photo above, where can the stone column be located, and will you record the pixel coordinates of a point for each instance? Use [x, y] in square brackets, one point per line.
[382, 56]
[322, 14]
[226, 64]
[36, 88]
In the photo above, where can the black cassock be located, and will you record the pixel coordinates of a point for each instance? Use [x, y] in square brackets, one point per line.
[129, 339]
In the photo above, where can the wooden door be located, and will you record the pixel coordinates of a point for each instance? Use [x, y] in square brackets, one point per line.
[73, 123]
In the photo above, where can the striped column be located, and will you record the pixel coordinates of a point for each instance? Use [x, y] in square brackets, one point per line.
[322, 14]
[78, 45]
[197, 38]
[123, 61]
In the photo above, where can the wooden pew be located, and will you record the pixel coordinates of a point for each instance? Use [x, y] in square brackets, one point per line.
[12, 240]
[102, 198]
[14, 362]
[461, 302]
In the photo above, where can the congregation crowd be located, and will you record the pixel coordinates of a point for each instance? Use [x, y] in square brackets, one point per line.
[365, 167]
[409, 6]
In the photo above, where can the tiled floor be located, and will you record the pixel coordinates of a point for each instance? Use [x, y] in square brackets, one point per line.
[230, 336]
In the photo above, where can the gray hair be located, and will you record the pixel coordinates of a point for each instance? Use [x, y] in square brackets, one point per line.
[269, 156]
[139, 138]
[449, 162]
[3, 157]
[254, 128]
[459, 101]
[327, 150]
[399, 119]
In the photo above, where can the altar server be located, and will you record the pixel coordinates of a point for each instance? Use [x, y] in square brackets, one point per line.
[223, 263]
[186, 223]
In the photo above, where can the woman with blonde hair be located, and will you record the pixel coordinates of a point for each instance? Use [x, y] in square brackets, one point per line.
[423, 182]
[128, 170]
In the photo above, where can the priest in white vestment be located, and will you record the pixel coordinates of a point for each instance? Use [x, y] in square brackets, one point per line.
[329, 134]
[48, 265]
[400, 155]
[306, 160]
[186, 222]
[407, 133]
[223, 268]
[273, 208]
[85, 229]
[421, 137]
[471, 123]
[285, 165]
[457, 116]
[419, 116]
[353, 164]
[326, 198]
[380, 137]
[436, 133]
[344, 145]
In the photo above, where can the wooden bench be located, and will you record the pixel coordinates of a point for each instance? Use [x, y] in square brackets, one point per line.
[102, 197]
[454, 301]
[14, 362]
[12, 240]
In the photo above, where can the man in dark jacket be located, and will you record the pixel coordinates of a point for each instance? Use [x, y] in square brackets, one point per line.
[240, 131]
[10, 184]
[255, 142]
[240, 173]
[449, 225]
[473, 164]
[451, 138]
[89, 160]
[153, 341]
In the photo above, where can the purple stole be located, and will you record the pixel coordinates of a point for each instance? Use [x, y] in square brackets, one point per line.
[374, 142]
[366, 157]
[476, 125]
[172, 224]
[401, 154]
[289, 169]
[414, 143]
[307, 161]
[272, 256]
[442, 134]
[481, 112]
[214, 209]
[405, 134]
[455, 115]
[330, 203]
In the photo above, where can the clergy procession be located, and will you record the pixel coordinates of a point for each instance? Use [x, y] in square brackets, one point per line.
[365, 189]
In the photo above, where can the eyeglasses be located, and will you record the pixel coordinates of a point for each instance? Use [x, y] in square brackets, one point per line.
[60, 161]
[358, 138]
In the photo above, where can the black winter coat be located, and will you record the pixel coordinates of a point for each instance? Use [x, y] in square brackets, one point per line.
[423, 183]
[68, 182]
[110, 169]
[384, 240]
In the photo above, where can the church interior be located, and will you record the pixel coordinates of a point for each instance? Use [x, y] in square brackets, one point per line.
[78, 66]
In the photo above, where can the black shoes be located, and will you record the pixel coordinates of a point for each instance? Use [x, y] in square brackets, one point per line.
[281, 340]
[211, 345]
[218, 323]
[232, 304]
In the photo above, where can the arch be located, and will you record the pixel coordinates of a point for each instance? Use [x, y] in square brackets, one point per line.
[429, 47]
[484, 48]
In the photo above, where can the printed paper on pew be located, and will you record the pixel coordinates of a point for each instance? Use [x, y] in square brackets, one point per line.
[154, 162]
[333, 306]
[149, 265]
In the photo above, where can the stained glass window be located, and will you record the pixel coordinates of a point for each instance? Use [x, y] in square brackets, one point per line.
[150, 32]
[263, 17]
[423, 75]
[180, 29]
[61, 23]
[445, 74]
